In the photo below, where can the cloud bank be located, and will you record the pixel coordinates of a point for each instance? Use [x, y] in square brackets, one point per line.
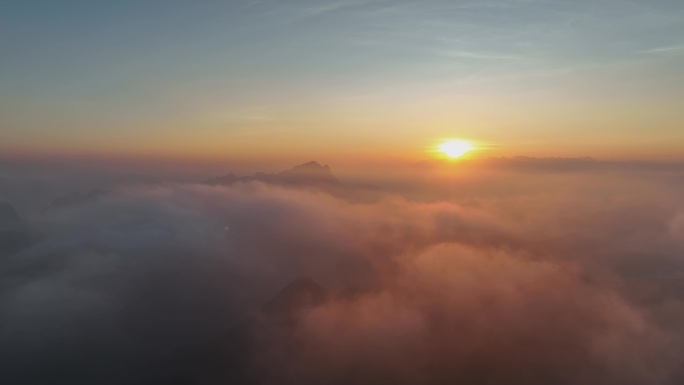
[515, 277]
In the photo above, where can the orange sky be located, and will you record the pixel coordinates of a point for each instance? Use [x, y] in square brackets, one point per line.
[347, 81]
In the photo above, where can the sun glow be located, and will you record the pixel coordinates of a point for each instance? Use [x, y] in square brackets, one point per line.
[455, 148]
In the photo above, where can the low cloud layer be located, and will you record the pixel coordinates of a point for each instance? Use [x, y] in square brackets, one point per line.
[505, 277]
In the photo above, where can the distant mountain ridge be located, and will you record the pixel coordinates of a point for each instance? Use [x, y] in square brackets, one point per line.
[554, 164]
[310, 173]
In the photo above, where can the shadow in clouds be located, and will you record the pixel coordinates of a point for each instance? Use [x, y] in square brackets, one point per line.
[512, 278]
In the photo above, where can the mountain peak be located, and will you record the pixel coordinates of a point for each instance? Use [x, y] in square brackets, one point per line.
[312, 164]
[306, 174]
[312, 167]
[310, 172]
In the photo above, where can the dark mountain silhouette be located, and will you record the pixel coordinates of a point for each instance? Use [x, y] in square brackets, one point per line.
[311, 175]
[74, 199]
[525, 163]
[553, 164]
[309, 172]
[14, 234]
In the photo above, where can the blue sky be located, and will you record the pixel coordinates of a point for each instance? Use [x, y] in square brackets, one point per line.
[580, 76]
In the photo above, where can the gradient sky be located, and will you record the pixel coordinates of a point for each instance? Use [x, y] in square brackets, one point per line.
[363, 78]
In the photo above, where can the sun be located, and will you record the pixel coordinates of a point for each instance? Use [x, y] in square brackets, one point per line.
[455, 148]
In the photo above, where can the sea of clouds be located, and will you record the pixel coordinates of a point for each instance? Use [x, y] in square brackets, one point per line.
[495, 276]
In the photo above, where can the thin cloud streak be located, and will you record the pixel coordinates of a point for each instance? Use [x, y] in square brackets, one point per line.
[664, 50]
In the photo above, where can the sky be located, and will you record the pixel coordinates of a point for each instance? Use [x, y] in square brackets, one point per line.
[357, 79]
[151, 218]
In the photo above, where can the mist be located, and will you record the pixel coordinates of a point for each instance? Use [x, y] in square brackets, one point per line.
[509, 271]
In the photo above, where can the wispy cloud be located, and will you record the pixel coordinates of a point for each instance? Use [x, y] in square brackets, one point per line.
[478, 55]
[320, 9]
[666, 49]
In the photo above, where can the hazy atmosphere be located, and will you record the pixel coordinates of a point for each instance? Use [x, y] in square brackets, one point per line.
[342, 192]
[226, 80]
